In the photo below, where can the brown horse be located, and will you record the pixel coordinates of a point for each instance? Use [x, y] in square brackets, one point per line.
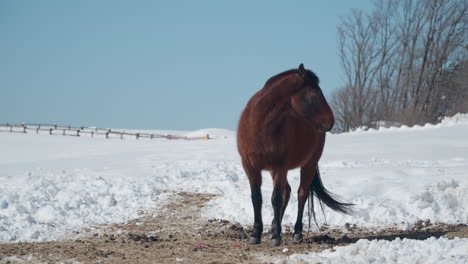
[283, 127]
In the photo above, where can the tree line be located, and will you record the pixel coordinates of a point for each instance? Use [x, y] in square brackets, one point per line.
[405, 62]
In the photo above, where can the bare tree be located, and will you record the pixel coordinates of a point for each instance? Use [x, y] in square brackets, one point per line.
[358, 52]
[397, 59]
[341, 104]
[452, 89]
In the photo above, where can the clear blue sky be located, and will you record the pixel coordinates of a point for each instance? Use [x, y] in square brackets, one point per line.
[180, 65]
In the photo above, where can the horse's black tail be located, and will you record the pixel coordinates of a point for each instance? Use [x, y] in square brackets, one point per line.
[333, 201]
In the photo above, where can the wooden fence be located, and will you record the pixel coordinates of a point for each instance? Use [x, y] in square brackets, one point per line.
[88, 131]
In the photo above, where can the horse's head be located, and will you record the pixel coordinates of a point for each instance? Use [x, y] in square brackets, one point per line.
[308, 101]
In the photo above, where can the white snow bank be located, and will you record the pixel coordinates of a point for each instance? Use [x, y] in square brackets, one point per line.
[50, 203]
[458, 119]
[427, 251]
[212, 132]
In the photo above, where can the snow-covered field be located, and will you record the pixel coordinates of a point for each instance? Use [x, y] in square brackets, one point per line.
[52, 185]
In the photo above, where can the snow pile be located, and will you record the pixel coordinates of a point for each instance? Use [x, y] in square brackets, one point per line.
[428, 251]
[458, 119]
[446, 197]
[212, 132]
[53, 202]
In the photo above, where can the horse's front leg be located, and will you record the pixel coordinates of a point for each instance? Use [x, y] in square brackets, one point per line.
[255, 180]
[279, 200]
[256, 196]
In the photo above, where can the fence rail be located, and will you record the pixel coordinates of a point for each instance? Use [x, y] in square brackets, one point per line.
[53, 129]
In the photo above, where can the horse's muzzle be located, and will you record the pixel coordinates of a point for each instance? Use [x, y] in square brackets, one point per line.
[331, 125]
[327, 126]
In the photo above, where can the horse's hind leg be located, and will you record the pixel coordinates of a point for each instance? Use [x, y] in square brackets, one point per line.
[255, 180]
[279, 200]
[307, 175]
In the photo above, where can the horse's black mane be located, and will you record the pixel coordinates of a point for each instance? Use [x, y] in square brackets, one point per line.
[311, 75]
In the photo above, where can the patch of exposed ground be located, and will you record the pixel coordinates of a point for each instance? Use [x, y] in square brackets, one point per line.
[178, 233]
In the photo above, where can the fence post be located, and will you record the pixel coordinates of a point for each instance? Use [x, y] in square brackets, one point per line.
[24, 129]
[78, 133]
[50, 131]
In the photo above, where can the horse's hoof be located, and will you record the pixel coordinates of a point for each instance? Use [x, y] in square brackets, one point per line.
[254, 240]
[297, 238]
[275, 242]
[270, 234]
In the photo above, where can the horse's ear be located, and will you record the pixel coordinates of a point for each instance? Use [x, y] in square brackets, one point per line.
[301, 70]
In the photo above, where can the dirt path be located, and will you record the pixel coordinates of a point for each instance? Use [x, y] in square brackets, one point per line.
[179, 234]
